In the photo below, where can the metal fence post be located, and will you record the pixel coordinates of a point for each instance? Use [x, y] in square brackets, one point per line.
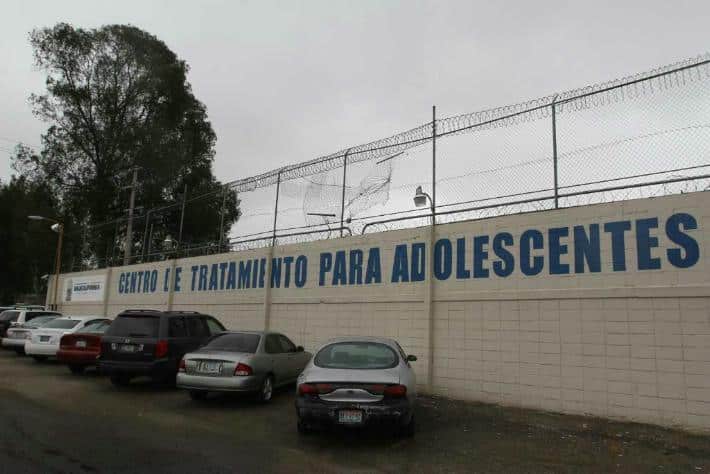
[554, 150]
[342, 199]
[276, 207]
[433, 164]
[145, 234]
[221, 218]
[182, 218]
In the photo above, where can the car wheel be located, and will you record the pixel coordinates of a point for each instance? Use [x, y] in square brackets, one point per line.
[198, 395]
[39, 358]
[20, 351]
[120, 380]
[408, 430]
[267, 389]
[76, 369]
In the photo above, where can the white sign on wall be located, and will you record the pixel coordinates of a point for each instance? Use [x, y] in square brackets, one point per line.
[84, 288]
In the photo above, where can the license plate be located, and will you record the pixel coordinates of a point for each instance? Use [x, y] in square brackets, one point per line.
[128, 348]
[350, 416]
[80, 343]
[210, 367]
[44, 338]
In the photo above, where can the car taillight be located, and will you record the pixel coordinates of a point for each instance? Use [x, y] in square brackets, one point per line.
[181, 367]
[315, 388]
[243, 370]
[307, 389]
[395, 391]
[161, 349]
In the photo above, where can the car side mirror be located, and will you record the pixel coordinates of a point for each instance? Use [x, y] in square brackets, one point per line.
[299, 349]
[411, 358]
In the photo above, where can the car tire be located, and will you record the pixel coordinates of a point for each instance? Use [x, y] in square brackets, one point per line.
[120, 380]
[76, 369]
[266, 392]
[20, 351]
[198, 395]
[39, 358]
[408, 430]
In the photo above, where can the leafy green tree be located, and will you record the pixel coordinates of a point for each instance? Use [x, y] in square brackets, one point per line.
[27, 248]
[118, 97]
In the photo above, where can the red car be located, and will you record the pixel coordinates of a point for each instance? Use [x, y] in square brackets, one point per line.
[80, 350]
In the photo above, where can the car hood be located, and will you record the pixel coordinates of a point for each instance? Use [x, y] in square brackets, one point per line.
[318, 374]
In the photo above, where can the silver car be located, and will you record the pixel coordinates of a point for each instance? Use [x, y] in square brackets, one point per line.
[245, 361]
[357, 381]
[17, 335]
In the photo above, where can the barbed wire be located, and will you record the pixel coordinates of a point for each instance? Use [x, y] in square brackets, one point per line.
[492, 183]
[630, 87]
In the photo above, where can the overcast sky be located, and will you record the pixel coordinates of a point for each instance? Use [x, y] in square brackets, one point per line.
[289, 81]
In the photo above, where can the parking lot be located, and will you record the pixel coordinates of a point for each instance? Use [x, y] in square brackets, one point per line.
[52, 421]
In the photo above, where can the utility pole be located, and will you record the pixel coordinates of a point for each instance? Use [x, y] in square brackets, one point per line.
[129, 228]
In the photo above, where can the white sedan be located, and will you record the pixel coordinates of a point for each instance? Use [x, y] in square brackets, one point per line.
[44, 341]
[17, 335]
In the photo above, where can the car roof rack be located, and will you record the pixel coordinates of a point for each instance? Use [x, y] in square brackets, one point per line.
[184, 312]
[141, 311]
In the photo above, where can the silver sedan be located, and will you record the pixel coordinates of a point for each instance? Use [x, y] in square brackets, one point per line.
[245, 361]
[356, 381]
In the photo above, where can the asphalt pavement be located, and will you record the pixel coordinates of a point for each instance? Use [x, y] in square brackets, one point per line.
[53, 421]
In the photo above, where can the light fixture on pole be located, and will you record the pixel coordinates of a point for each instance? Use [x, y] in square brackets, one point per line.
[420, 198]
[57, 227]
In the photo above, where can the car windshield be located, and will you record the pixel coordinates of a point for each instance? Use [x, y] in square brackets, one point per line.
[40, 321]
[236, 342]
[61, 323]
[356, 355]
[98, 327]
[138, 325]
[9, 315]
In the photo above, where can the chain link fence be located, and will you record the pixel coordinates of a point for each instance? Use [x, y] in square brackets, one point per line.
[641, 136]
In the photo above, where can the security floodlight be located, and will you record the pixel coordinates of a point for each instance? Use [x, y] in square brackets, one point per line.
[56, 227]
[420, 197]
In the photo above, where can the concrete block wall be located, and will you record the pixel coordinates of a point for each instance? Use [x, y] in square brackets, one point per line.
[631, 344]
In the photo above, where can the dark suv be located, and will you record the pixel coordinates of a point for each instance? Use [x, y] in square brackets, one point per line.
[152, 343]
